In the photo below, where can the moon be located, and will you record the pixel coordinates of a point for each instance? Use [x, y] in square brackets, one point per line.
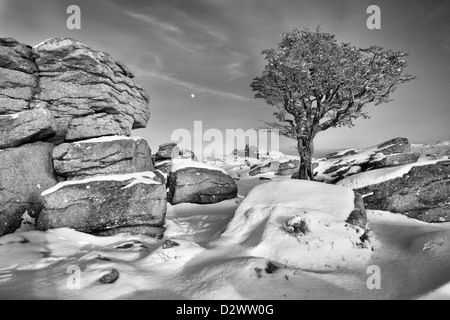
[192, 95]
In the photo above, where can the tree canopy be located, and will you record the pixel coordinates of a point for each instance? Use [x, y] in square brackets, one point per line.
[318, 83]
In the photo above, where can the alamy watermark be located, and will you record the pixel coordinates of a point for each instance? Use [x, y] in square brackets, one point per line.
[74, 20]
[214, 143]
[73, 282]
[374, 20]
[374, 280]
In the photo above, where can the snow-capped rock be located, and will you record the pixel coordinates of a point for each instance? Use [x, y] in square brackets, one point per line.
[98, 205]
[107, 155]
[197, 182]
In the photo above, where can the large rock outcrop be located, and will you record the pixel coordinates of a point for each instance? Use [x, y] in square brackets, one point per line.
[420, 191]
[199, 183]
[25, 172]
[102, 156]
[105, 205]
[88, 93]
[63, 91]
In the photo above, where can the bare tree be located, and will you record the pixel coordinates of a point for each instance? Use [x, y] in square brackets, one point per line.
[317, 83]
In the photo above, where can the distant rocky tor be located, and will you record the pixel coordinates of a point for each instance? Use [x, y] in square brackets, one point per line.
[66, 112]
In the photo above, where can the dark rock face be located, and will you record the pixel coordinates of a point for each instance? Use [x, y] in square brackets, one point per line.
[26, 127]
[88, 93]
[95, 206]
[423, 193]
[199, 185]
[119, 155]
[269, 166]
[338, 155]
[110, 277]
[288, 168]
[394, 160]
[358, 217]
[25, 172]
[18, 76]
[167, 151]
[149, 231]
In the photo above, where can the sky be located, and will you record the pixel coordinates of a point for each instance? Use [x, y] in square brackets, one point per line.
[212, 49]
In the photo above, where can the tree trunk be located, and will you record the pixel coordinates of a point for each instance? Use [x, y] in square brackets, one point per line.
[305, 150]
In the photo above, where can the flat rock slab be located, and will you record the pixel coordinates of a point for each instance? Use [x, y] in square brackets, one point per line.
[104, 203]
[199, 185]
[26, 127]
[103, 156]
[25, 172]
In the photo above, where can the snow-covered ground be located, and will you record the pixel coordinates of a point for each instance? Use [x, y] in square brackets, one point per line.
[413, 257]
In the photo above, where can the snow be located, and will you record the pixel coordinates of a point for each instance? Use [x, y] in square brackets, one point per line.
[413, 256]
[34, 265]
[342, 152]
[138, 177]
[178, 164]
[259, 225]
[380, 175]
[108, 138]
[11, 116]
[442, 293]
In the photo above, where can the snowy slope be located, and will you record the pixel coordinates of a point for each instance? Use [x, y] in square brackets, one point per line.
[259, 225]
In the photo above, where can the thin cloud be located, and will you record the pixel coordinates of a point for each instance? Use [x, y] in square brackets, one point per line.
[189, 87]
[149, 19]
[235, 68]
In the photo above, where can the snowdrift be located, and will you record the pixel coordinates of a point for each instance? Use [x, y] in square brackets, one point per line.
[262, 225]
